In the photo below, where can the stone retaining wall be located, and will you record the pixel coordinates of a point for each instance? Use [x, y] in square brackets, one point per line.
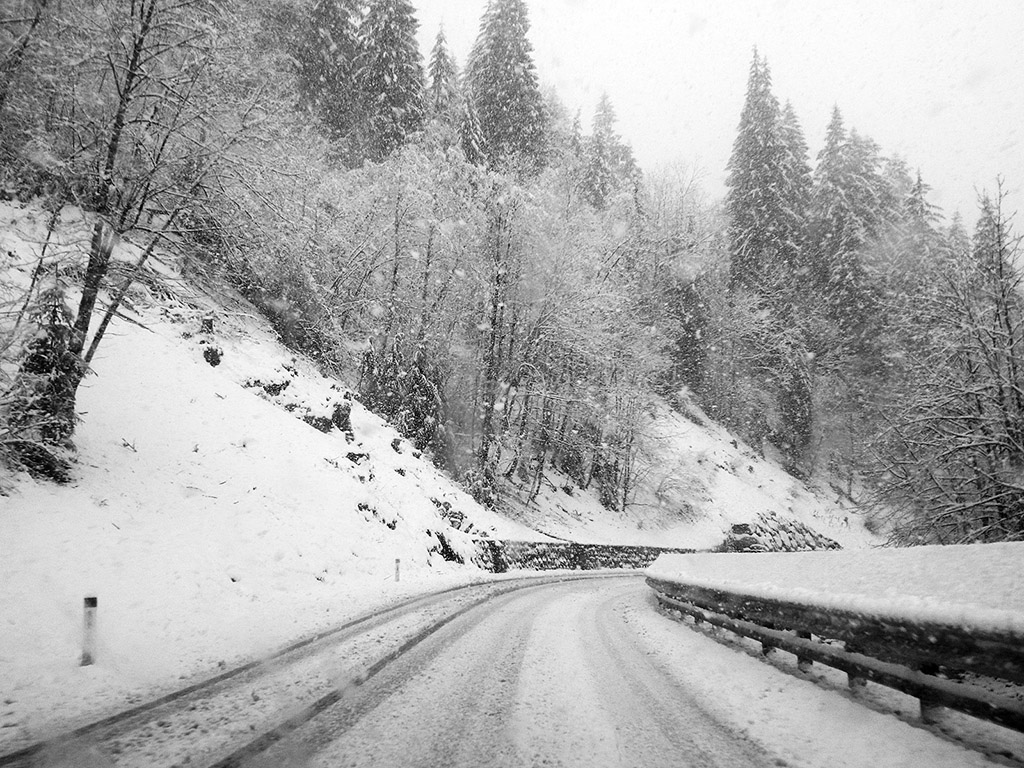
[501, 556]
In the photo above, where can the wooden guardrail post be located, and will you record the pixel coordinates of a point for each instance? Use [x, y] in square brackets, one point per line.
[930, 705]
[856, 682]
[804, 663]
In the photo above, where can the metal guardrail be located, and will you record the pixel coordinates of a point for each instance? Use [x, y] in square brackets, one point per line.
[898, 653]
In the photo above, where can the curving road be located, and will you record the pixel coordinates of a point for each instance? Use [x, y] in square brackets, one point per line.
[523, 673]
[547, 676]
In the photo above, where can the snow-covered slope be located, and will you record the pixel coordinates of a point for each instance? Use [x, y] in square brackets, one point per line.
[211, 523]
[694, 481]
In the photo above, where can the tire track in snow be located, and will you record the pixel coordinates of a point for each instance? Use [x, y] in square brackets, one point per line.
[676, 730]
[218, 715]
[447, 704]
[544, 677]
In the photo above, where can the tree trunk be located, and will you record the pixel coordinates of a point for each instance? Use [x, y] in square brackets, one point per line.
[12, 63]
[492, 352]
[100, 248]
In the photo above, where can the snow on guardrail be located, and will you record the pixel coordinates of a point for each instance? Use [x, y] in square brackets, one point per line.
[977, 587]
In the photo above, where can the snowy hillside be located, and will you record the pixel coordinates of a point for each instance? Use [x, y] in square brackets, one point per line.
[694, 481]
[214, 521]
[211, 523]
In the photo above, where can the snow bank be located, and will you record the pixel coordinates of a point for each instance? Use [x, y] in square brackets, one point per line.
[975, 586]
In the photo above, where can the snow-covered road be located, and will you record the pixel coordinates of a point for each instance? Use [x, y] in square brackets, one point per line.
[546, 676]
[588, 674]
[513, 673]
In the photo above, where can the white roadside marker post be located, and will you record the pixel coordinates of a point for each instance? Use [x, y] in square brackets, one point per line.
[398, 565]
[89, 632]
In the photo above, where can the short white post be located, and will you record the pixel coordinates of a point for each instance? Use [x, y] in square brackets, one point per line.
[89, 632]
[398, 564]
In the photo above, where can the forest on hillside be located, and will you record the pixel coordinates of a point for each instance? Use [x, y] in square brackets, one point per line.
[496, 275]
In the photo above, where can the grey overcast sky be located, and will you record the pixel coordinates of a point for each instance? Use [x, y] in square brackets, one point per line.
[939, 82]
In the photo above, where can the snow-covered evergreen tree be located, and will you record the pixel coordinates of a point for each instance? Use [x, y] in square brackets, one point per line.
[868, 185]
[847, 211]
[443, 94]
[326, 59]
[390, 77]
[796, 176]
[829, 200]
[956, 240]
[896, 187]
[767, 205]
[476, 52]
[504, 89]
[921, 214]
[599, 176]
[757, 182]
[472, 136]
[609, 160]
[576, 137]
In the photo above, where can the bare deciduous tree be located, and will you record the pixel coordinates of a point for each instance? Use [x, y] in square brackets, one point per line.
[953, 453]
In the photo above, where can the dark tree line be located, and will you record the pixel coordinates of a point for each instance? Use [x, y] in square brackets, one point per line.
[362, 75]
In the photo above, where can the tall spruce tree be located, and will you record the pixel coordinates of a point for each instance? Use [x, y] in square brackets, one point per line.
[504, 89]
[756, 185]
[471, 136]
[798, 306]
[390, 77]
[443, 94]
[919, 212]
[576, 137]
[620, 153]
[847, 211]
[326, 58]
[796, 175]
[598, 179]
[768, 192]
[476, 52]
[897, 186]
